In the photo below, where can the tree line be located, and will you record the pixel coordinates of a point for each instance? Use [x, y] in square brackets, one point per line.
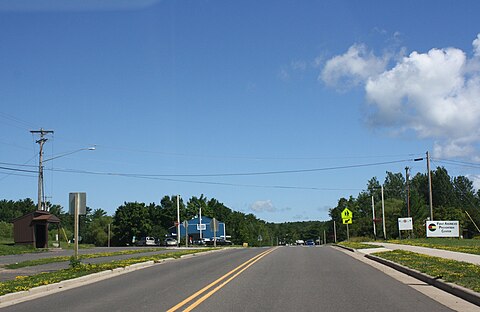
[452, 198]
[139, 219]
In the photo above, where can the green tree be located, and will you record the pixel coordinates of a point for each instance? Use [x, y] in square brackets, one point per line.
[131, 219]
[394, 186]
[97, 228]
[10, 209]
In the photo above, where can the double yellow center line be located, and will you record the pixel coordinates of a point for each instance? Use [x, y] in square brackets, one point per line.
[222, 281]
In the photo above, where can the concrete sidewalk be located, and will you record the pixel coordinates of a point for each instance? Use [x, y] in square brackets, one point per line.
[453, 255]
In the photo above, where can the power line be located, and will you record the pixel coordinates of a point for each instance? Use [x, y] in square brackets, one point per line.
[18, 170]
[460, 163]
[237, 173]
[190, 155]
[24, 124]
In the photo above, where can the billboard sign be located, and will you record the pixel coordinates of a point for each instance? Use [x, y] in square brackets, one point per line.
[405, 224]
[442, 228]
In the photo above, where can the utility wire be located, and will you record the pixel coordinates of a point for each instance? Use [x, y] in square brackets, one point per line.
[460, 163]
[245, 157]
[234, 174]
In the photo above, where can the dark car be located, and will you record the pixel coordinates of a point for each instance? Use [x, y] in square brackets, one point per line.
[220, 242]
[310, 242]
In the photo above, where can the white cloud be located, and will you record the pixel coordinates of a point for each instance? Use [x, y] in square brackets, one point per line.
[476, 46]
[476, 181]
[352, 68]
[263, 206]
[294, 68]
[283, 74]
[435, 94]
[299, 65]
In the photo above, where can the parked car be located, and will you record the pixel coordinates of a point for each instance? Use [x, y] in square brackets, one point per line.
[299, 242]
[169, 241]
[146, 241]
[220, 242]
[200, 242]
[310, 242]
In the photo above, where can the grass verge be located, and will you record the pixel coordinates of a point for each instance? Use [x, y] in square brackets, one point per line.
[471, 246]
[85, 256]
[356, 245]
[459, 273]
[10, 249]
[27, 282]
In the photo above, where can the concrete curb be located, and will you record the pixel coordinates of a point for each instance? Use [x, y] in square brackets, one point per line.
[459, 291]
[347, 248]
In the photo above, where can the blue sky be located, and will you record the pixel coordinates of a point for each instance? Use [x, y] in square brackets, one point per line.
[188, 91]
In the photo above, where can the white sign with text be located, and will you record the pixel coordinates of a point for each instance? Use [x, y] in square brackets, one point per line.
[442, 228]
[405, 224]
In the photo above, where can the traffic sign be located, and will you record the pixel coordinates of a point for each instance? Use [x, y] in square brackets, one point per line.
[214, 225]
[347, 214]
[347, 221]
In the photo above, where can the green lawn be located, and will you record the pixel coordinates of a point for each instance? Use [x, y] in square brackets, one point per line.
[28, 282]
[10, 249]
[357, 245]
[471, 246]
[85, 256]
[459, 273]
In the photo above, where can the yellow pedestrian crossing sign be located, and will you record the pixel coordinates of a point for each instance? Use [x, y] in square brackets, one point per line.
[347, 216]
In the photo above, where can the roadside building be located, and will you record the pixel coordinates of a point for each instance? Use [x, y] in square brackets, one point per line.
[32, 228]
[199, 229]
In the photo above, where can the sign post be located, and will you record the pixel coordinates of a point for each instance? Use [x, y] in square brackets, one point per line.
[404, 224]
[347, 218]
[185, 224]
[77, 205]
[214, 226]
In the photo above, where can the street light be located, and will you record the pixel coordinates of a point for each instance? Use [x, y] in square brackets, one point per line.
[40, 169]
[91, 148]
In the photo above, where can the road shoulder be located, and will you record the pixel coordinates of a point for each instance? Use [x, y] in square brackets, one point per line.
[447, 299]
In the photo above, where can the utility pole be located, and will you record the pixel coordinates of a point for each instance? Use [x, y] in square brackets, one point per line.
[429, 186]
[40, 142]
[178, 221]
[383, 216]
[407, 178]
[373, 215]
[334, 232]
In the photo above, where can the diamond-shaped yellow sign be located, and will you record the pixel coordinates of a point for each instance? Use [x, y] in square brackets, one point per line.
[347, 214]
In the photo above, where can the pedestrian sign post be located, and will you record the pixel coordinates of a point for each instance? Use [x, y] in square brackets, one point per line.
[347, 218]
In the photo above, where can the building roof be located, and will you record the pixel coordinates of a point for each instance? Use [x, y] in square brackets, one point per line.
[49, 218]
[38, 215]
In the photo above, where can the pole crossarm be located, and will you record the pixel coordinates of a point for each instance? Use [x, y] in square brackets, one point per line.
[42, 132]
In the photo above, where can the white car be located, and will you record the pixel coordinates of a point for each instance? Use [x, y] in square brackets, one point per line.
[146, 241]
[170, 242]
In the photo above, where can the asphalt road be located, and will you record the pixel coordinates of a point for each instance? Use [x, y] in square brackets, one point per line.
[281, 279]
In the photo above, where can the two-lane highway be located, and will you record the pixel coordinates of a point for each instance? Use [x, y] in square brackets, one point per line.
[252, 279]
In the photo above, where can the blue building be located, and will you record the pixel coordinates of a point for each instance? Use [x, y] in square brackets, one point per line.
[200, 229]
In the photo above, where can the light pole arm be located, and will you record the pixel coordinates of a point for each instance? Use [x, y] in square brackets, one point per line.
[92, 148]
